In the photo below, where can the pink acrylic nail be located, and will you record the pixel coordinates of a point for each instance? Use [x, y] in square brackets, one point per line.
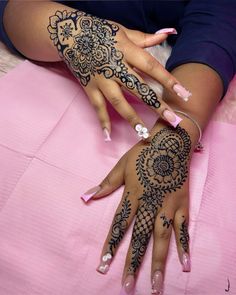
[128, 286]
[172, 118]
[105, 263]
[182, 92]
[186, 262]
[157, 282]
[168, 31]
[106, 135]
[90, 193]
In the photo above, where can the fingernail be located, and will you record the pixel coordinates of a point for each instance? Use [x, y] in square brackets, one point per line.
[157, 282]
[105, 263]
[142, 131]
[106, 135]
[186, 262]
[90, 193]
[182, 92]
[128, 286]
[172, 118]
[168, 31]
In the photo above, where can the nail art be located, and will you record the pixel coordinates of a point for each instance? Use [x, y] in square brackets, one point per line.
[106, 135]
[105, 263]
[172, 118]
[90, 193]
[128, 286]
[157, 283]
[168, 31]
[182, 92]
[186, 262]
[142, 131]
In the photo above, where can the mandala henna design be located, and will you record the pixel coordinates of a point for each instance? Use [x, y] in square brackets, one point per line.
[161, 168]
[166, 222]
[184, 236]
[120, 224]
[87, 44]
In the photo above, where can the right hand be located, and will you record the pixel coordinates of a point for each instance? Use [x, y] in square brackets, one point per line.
[102, 54]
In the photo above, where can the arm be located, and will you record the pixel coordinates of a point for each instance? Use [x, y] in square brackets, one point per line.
[101, 55]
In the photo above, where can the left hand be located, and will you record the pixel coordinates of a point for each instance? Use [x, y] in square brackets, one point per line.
[156, 182]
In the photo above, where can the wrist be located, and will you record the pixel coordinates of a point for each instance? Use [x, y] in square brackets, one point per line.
[191, 127]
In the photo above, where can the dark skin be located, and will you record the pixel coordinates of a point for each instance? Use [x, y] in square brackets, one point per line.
[206, 87]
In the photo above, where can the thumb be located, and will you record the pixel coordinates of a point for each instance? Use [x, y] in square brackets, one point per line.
[110, 183]
[144, 40]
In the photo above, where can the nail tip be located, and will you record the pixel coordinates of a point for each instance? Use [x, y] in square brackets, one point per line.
[107, 136]
[84, 198]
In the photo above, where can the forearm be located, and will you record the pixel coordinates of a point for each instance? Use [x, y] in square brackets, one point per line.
[26, 24]
[206, 87]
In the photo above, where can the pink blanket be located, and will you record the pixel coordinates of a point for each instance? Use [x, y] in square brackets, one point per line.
[51, 151]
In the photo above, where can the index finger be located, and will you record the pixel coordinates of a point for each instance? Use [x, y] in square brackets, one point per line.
[148, 64]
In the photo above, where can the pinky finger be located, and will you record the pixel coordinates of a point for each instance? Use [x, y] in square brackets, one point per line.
[182, 238]
[98, 102]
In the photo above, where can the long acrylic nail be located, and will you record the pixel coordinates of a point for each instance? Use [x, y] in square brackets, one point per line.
[157, 282]
[172, 118]
[90, 193]
[105, 263]
[106, 135]
[168, 31]
[186, 262]
[182, 92]
[128, 286]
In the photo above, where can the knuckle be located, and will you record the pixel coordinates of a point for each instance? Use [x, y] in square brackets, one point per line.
[132, 118]
[116, 101]
[163, 234]
[98, 106]
[151, 64]
[170, 82]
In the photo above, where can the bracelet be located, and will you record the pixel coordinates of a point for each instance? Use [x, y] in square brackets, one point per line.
[199, 146]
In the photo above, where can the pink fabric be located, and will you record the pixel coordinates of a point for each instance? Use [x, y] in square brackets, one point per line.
[52, 151]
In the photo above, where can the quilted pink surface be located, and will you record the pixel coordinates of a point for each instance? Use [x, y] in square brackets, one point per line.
[51, 151]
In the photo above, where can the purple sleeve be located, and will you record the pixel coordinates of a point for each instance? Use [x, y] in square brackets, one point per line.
[208, 36]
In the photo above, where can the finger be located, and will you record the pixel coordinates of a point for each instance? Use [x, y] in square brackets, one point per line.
[181, 221]
[143, 40]
[98, 102]
[112, 91]
[150, 66]
[143, 228]
[162, 235]
[113, 180]
[136, 85]
[121, 222]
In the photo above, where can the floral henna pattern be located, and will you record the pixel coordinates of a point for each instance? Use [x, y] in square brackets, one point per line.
[161, 168]
[184, 236]
[87, 44]
[166, 222]
[120, 224]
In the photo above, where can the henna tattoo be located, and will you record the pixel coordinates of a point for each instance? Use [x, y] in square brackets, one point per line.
[161, 168]
[87, 44]
[120, 224]
[166, 222]
[184, 236]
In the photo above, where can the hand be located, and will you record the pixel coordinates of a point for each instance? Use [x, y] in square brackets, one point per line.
[102, 54]
[156, 194]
